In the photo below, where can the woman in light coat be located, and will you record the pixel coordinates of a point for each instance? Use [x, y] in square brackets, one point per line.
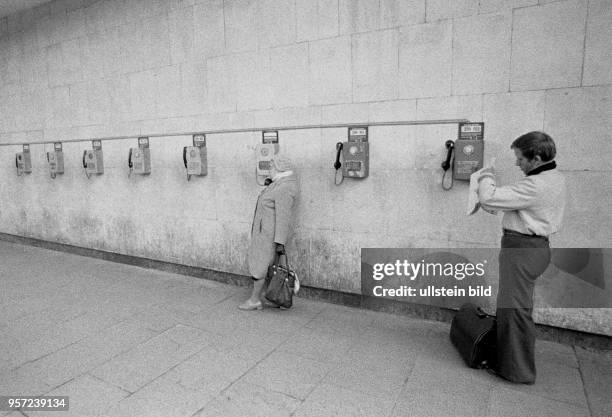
[272, 225]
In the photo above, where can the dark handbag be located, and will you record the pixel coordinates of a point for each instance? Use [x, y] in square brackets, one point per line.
[473, 333]
[280, 283]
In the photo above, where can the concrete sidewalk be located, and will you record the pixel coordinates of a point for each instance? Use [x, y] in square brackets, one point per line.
[125, 341]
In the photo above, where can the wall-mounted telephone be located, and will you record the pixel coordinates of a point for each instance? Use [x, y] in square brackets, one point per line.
[139, 159]
[264, 153]
[56, 160]
[465, 155]
[355, 155]
[93, 161]
[194, 157]
[23, 161]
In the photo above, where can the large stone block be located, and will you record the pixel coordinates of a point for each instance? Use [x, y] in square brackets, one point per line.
[388, 111]
[425, 60]
[317, 19]
[312, 201]
[358, 16]
[579, 121]
[33, 111]
[209, 26]
[240, 26]
[345, 113]
[330, 71]
[169, 97]
[289, 66]
[491, 6]
[304, 149]
[456, 107]
[94, 17]
[112, 52]
[120, 99]
[448, 9]
[375, 66]
[394, 13]
[76, 24]
[222, 94]
[132, 49]
[598, 52]
[233, 150]
[93, 58]
[277, 23]
[181, 31]
[194, 88]
[506, 117]
[585, 224]
[142, 95]
[3, 26]
[58, 112]
[550, 58]
[79, 104]
[392, 148]
[481, 54]
[253, 80]
[154, 41]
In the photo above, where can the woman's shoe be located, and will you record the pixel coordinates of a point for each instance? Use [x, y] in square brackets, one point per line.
[248, 305]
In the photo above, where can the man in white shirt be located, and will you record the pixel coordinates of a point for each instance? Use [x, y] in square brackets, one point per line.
[533, 210]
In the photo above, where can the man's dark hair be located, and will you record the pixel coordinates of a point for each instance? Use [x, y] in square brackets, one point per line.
[536, 143]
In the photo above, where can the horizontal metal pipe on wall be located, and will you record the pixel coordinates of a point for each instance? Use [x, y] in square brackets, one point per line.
[258, 129]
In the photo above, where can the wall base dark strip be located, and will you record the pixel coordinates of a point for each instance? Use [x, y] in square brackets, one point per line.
[421, 311]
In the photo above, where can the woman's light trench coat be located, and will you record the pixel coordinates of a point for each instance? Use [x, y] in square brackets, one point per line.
[272, 223]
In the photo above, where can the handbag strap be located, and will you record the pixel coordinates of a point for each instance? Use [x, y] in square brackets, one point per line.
[277, 258]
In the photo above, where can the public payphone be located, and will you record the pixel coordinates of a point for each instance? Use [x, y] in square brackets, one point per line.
[355, 155]
[465, 155]
[56, 160]
[194, 157]
[139, 159]
[23, 161]
[93, 161]
[265, 152]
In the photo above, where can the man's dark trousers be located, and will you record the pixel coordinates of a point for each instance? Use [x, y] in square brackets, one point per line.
[522, 259]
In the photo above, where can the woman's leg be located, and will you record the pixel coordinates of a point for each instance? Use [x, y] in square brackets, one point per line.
[258, 285]
[254, 302]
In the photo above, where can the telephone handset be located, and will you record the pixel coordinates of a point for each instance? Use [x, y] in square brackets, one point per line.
[338, 164]
[23, 161]
[85, 163]
[448, 163]
[130, 164]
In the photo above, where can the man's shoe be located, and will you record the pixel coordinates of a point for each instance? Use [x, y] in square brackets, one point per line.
[248, 305]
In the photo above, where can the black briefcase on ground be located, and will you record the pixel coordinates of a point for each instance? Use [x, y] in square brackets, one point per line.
[473, 332]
